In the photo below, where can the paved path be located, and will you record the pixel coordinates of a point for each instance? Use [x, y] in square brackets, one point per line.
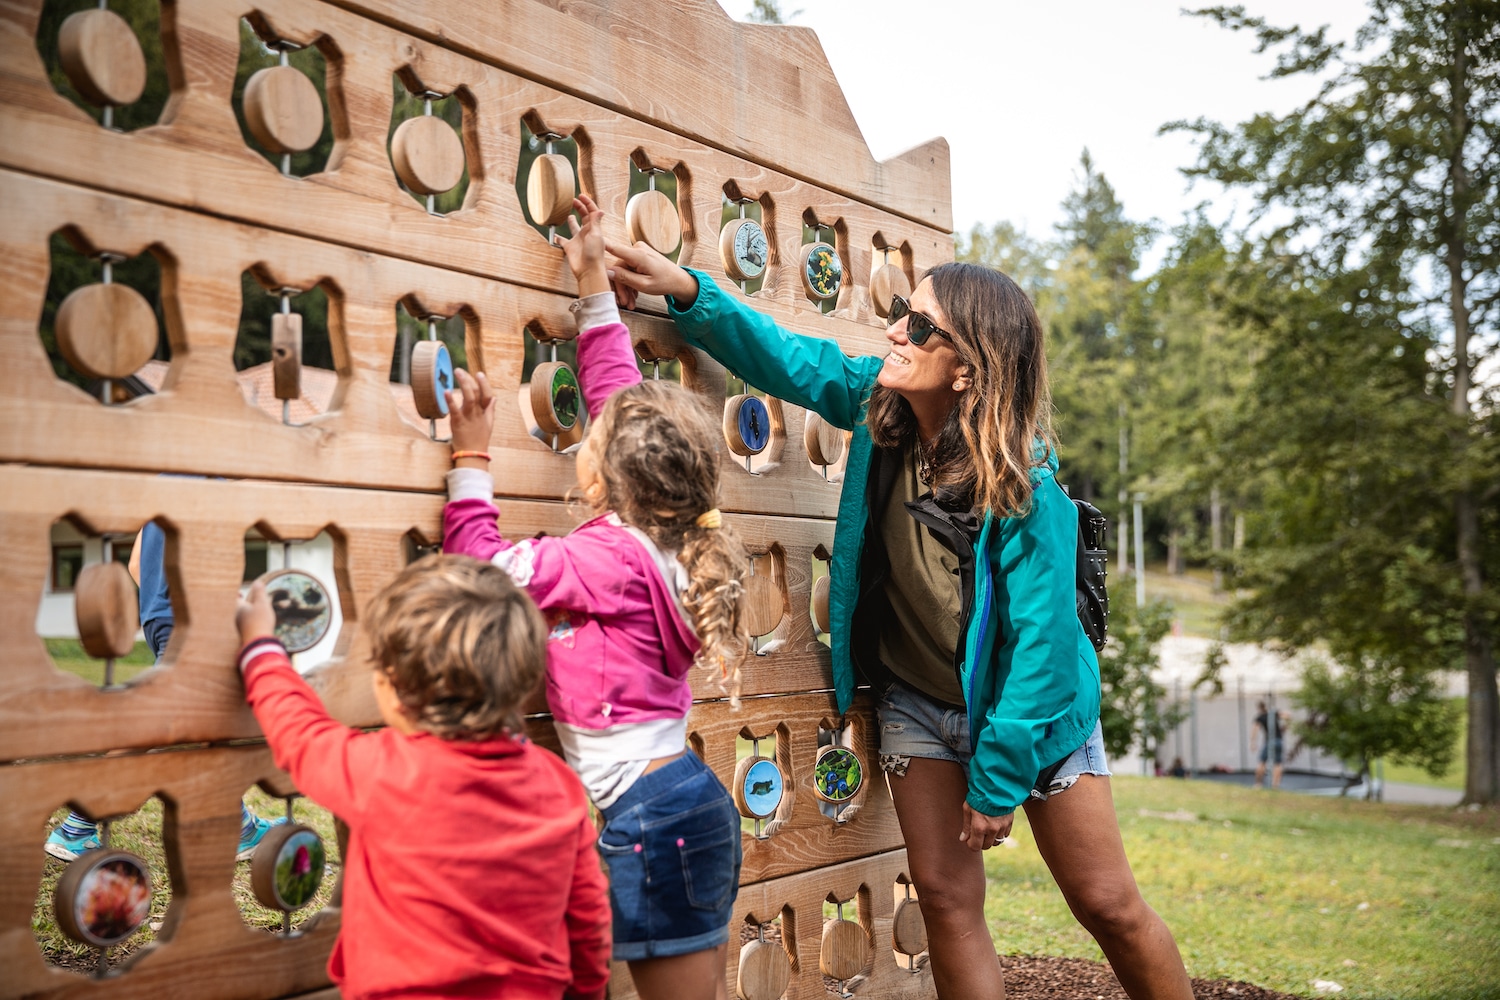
[1421, 795]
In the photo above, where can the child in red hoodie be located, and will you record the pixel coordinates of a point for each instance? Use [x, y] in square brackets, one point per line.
[471, 869]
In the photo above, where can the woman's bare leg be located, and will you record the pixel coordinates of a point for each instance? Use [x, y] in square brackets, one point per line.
[698, 975]
[949, 878]
[1079, 838]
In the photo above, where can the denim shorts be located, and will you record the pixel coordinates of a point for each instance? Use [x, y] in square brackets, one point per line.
[913, 725]
[672, 844]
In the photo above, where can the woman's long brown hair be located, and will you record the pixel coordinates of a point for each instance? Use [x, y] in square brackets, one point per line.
[1000, 428]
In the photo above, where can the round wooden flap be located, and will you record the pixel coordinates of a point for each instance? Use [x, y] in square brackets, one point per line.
[758, 787]
[908, 929]
[431, 377]
[843, 951]
[837, 774]
[102, 57]
[824, 442]
[744, 249]
[287, 867]
[427, 154]
[550, 189]
[651, 217]
[106, 331]
[765, 972]
[105, 603]
[822, 271]
[820, 618]
[555, 397]
[304, 612]
[747, 424]
[761, 606]
[103, 897]
[887, 281]
[283, 109]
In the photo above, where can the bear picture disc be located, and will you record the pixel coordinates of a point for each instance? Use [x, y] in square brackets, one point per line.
[303, 609]
[761, 788]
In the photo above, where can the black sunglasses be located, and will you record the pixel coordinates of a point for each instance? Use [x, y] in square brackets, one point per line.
[918, 327]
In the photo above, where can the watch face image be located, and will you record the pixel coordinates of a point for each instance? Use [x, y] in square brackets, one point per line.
[824, 271]
[750, 249]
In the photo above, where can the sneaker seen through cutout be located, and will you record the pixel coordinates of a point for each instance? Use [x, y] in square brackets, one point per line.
[251, 836]
[65, 848]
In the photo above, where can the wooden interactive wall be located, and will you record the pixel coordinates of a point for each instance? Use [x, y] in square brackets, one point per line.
[732, 112]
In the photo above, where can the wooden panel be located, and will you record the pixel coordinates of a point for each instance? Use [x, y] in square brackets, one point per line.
[203, 940]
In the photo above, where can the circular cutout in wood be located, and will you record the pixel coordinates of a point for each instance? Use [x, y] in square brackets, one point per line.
[843, 951]
[887, 281]
[651, 218]
[304, 612]
[550, 189]
[283, 110]
[765, 972]
[427, 154]
[747, 424]
[908, 929]
[102, 58]
[744, 249]
[824, 442]
[820, 617]
[837, 774]
[103, 897]
[106, 331]
[758, 787]
[555, 397]
[107, 609]
[431, 378]
[822, 271]
[287, 867]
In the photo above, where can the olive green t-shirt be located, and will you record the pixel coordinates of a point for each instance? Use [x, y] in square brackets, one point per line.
[918, 639]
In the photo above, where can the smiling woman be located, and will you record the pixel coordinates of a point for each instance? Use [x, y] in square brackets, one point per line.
[956, 599]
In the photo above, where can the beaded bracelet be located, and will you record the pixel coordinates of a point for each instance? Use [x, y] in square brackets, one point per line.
[471, 454]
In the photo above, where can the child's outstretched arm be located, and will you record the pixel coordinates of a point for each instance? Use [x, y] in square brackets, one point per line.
[606, 362]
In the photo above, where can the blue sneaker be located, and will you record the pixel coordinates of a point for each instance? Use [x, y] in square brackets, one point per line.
[249, 841]
[66, 848]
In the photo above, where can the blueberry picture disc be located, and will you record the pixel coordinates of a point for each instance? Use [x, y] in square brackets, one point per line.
[287, 867]
[754, 423]
[304, 612]
[104, 897]
[837, 775]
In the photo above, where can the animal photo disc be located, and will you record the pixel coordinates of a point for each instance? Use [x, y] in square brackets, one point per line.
[837, 775]
[555, 397]
[303, 611]
[431, 378]
[752, 421]
[822, 271]
[744, 249]
[287, 867]
[759, 787]
[104, 897]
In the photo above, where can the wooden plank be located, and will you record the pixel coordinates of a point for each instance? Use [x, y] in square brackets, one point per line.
[203, 941]
[364, 441]
[196, 695]
[197, 158]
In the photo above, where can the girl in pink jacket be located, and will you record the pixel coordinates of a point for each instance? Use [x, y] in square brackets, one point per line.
[634, 598]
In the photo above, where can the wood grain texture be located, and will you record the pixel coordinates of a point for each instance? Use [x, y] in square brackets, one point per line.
[106, 331]
[887, 281]
[283, 110]
[101, 57]
[765, 971]
[107, 610]
[427, 155]
[844, 951]
[651, 218]
[427, 363]
[550, 188]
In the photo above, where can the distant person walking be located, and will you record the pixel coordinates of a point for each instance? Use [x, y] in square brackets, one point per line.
[1270, 734]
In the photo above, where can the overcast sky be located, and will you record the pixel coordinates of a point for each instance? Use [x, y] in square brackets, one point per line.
[1020, 87]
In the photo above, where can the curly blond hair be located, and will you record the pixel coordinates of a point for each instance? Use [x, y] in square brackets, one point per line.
[655, 449]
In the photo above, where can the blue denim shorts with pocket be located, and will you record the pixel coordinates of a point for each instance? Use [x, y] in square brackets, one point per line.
[913, 725]
[672, 844]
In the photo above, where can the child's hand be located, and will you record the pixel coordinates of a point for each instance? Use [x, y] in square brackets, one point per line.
[471, 414]
[642, 269]
[585, 251]
[255, 618]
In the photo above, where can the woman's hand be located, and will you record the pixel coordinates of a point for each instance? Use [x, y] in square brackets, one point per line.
[255, 618]
[585, 250]
[642, 269]
[982, 832]
[471, 415]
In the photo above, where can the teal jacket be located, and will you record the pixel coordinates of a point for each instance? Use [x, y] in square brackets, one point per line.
[1029, 674]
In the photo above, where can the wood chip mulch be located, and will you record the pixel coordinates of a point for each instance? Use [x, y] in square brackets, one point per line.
[1043, 978]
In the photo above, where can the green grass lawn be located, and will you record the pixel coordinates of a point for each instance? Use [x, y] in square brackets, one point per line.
[1196, 606]
[68, 655]
[1277, 889]
[1454, 777]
